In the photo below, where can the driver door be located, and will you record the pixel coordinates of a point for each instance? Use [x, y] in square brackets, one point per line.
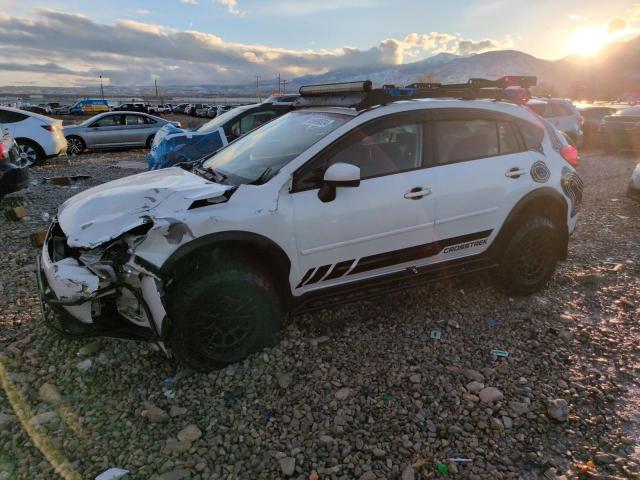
[105, 131]
[385, 224]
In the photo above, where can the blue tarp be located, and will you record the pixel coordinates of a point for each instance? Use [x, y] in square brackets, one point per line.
[174, 145]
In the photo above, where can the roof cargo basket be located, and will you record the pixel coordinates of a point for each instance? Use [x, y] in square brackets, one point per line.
[361, 95]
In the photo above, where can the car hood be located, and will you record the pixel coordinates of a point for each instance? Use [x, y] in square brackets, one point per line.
[105, 212]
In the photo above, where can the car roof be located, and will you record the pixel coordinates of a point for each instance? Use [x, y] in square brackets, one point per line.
[29, 114]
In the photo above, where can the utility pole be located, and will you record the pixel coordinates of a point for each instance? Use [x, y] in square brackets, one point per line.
[284, 86]
[258, 88]
[155, 81]
[279, 91]
[101, 88]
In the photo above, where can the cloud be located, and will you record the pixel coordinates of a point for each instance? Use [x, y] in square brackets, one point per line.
[616, 24]
[189, 2]
[232, 6]
[133, 52]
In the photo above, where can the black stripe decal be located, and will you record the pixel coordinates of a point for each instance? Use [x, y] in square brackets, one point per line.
[418, 252]
[319, 274]
[340, 269]
[305, 278]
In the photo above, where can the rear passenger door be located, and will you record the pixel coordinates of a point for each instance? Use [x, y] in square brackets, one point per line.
[136, 129]
[482, 169]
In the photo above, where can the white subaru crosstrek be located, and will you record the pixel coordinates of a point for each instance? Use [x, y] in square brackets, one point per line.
[357, 192]
[38, 137]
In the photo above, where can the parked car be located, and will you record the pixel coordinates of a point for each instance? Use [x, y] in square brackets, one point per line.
[62, 110]
[323, 205]
[37, 109]
[89, 105]
[621, 131]
[132, 107]
[114, 129]
[282, 98]
[173, 145]
[202, 111]
[14, 171]
[562, 114]
[633, 191]
[38, 137]
[180, 108]
[593, 115]
[216, 110]
[162, 108]
[192, 108]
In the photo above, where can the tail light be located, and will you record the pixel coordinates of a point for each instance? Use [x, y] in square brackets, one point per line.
[570, 154]
[4, 153]
[47, 127]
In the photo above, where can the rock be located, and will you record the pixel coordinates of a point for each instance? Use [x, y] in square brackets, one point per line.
[490, 394]
[550, 473]
[43, 418]
[453, 468]
[317, 341]
[519, 408]
[179, 474]
[604, 458]
[558, 409]
[49, 393]
[378, 452]
[326, 439]
[314, 475]
[340, 420]
[473, 375]
[507, 422]
[287, 466]
[284, 380]
[496, 424]
[176, 411]
[154, 414]
[470, 397]
[16, 213]
[368, 475]
[565, 335]
[474, 387]
[6, 419]
[179, 446]
[190, 433]
[408, 473]
[89, 349]
[415, 378]
[84, 365]
[344, 393]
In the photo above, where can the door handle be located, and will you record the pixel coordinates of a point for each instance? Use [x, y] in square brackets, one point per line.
[515, 172]
[416, 193]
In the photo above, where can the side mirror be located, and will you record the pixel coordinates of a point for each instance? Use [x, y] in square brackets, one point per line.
[338, 175]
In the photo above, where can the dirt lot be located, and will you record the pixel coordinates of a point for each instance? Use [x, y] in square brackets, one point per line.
[358, 392]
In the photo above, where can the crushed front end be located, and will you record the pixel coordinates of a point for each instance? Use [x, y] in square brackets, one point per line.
[102, 291]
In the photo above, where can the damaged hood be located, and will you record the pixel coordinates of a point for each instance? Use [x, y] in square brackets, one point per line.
[105, 212]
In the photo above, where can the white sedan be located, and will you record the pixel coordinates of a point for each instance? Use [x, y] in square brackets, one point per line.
[38, 137]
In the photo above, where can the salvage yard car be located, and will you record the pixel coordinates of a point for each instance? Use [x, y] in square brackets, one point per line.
[114, 130]
[633, 190]
[357, 192]
[14, 171]
[562, 114]
[621, 130]
[38, 137]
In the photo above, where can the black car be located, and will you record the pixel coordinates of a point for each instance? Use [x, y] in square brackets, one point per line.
[593, 115]
[621, 131]
[133, 107]
[14, 172]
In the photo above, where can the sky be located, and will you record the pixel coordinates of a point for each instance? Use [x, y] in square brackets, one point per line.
[73, 42]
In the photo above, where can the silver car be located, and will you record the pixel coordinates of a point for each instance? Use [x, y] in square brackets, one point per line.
[114, 129]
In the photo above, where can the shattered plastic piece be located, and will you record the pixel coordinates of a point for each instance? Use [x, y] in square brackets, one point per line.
[45, 216]
[112, 474]
[170, 394]
[436, 334]
[442, 468]
[497, 353]
[385, 397]
[459, 460]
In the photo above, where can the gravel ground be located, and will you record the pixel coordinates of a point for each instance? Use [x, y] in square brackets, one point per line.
[357, 392]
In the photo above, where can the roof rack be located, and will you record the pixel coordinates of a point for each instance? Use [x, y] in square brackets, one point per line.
[361, 95]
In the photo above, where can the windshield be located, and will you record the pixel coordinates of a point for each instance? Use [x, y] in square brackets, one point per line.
[272, 146]
[222, 119]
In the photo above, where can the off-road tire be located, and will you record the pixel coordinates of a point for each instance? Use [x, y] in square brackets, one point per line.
[222, 309]
[530, 257]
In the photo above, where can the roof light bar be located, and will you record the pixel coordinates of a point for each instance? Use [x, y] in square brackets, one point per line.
[336, 89]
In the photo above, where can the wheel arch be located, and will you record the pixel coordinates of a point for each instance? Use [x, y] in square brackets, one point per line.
[260, 249]
[31, 141]
[545, 202]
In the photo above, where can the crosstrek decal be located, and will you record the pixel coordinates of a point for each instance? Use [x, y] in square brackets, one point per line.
[396, 257]
[464, 246]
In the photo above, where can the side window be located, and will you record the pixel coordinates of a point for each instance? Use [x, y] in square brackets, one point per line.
[531, 134]
[11, 117]
[108, 121]
[378, 150]
[508, 139]
[148, 120]
[133, 120]
[462, 140]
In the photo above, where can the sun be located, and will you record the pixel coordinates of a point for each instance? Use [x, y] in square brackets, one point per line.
[587, 41]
